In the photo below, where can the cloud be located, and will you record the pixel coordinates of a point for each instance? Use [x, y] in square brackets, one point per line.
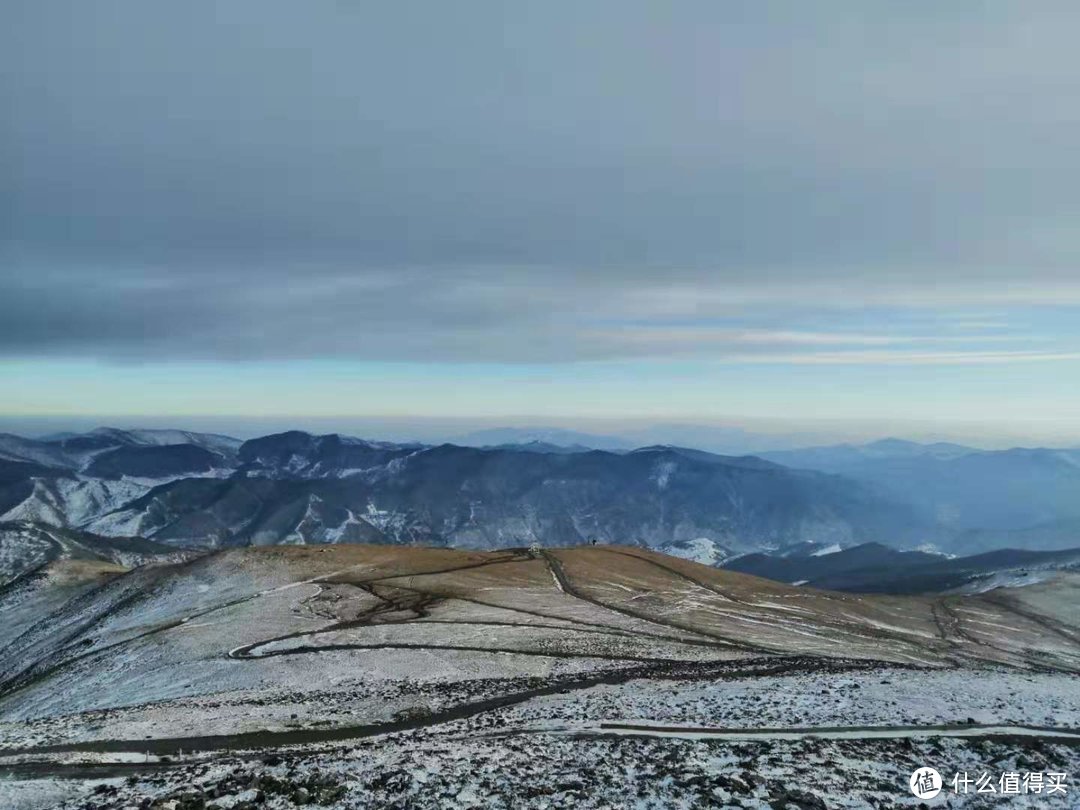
[940, 358]
[259, 180]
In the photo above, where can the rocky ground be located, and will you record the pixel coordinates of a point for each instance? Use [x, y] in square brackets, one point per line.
[426, 769]
[553, 750]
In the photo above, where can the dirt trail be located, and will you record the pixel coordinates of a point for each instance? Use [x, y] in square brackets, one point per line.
[1067, 736]
[1058, 628]
[257, 740]
[414, 600]
[722, 641]
[37, 673]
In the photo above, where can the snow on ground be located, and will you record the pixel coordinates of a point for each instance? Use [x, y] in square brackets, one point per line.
[21, 550]
[16, 448]
[78, 501]
[343, 696]
[33, 794]
[887, 696]
[497, 673]
[1016, 578]
[700, 550]
[530, 756]
[162, 437]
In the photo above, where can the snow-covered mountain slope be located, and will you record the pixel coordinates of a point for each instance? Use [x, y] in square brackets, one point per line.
[77, 452]
[295, 616]
[16, 448]
[26, 546]
[699, 549]
[74, 501]
[160, 438]
[300, 455]
[371, 676]
[294, 487]
[297, 488]
[157, 462]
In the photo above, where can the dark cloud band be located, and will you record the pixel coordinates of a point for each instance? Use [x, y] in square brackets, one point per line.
[411, 181]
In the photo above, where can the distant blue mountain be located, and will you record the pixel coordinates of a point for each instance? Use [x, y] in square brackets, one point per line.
[558, 437]
[1032, 494]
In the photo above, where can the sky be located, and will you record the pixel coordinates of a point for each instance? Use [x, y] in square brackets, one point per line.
[773, 214]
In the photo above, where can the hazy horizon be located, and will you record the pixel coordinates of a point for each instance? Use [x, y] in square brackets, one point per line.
[729, 435]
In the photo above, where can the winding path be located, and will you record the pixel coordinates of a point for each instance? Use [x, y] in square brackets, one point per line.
[256, 740]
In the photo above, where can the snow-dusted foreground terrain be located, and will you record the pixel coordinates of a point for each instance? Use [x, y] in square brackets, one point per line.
[367, 676]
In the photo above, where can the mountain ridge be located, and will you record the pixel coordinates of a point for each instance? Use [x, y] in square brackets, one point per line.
[297, 487]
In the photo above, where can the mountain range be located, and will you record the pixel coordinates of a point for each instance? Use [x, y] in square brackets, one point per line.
[193, 490]
[723, 440]
[1021, 498]
[197, 490]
